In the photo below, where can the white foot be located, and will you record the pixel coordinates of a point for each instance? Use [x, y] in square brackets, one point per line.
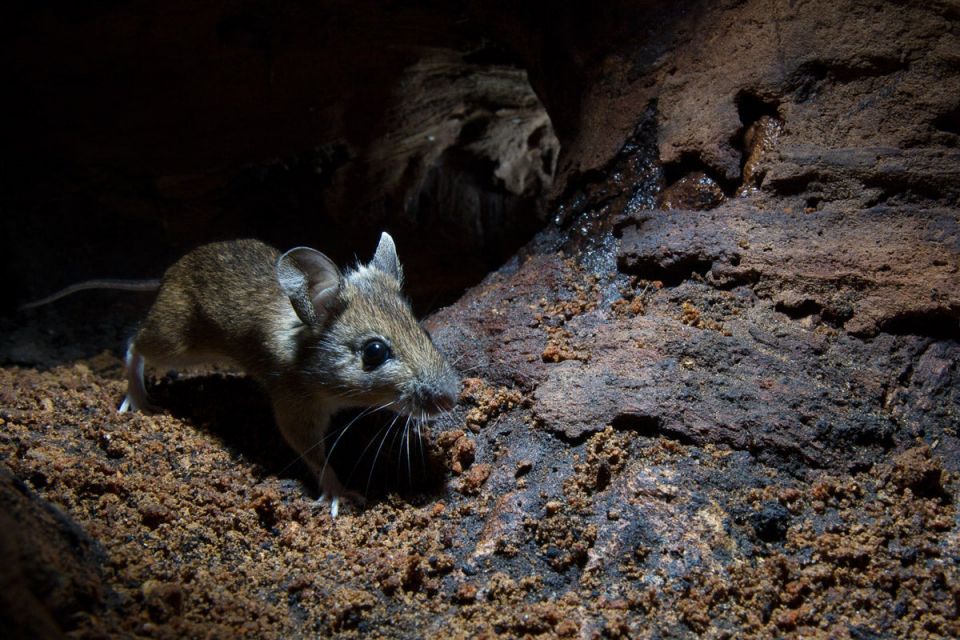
[128, 405]
[334, 493]
[136, 398]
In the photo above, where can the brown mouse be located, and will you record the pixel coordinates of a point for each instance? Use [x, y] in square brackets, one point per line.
[317, 339]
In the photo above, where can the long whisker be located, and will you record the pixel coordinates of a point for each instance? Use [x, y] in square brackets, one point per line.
[377, 454]
[406, 437]
[323, 437]
[396, 416]
[365, 412]
[393, 445]
[423, 458]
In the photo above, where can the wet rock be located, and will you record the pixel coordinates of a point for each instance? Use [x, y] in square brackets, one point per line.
[695, 191]
[759, 140]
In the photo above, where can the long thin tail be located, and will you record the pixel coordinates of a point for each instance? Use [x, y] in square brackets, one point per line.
[119, 285]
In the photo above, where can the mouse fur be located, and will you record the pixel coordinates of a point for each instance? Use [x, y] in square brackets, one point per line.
[303, 330]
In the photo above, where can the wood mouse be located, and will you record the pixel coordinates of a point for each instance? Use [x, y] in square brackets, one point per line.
[318, 340]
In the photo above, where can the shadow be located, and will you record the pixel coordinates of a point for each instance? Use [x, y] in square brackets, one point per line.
[370, 453]
[375, 455]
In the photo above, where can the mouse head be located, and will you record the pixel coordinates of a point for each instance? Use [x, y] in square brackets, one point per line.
[360, 337]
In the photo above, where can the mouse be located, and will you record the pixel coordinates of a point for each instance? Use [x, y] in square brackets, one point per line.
[316, 339]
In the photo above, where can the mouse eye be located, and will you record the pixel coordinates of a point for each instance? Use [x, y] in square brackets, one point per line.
[374, 353]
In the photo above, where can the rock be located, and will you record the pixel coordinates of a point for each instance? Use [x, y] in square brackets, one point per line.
[52, 570]
[865, 271]
[694, 191]
[770, 521]
[916, 469]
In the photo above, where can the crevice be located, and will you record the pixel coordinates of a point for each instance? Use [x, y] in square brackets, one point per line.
[691, 163]
[937, 324]
[751, 107]
[796, 184]
[672, 274]
[949, 122]
[473, 130]
[649, 427]
[761, 125]
[800, 310]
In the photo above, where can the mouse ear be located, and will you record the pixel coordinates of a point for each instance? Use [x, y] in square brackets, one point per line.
[385, 257]
[311, 280]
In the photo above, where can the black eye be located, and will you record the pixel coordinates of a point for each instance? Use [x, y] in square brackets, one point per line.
[374, 353]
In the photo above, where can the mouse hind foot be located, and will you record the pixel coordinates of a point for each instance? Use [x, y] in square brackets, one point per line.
[136, 398]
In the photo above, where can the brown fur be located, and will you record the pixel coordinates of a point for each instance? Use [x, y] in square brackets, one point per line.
[220, 302]
[298, 326]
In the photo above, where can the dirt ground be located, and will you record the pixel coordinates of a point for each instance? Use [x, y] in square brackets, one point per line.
[198, 523]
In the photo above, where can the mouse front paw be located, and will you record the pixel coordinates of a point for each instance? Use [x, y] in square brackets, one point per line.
[132, 405]
[332, 492]
[335, 502]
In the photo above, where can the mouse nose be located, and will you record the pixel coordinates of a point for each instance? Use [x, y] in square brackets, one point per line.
[436, 401]
[444, 402]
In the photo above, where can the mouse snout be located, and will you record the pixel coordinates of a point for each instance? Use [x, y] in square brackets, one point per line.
[435, 399]
[444, 402]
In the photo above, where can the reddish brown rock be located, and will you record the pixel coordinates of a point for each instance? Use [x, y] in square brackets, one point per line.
[864, 271]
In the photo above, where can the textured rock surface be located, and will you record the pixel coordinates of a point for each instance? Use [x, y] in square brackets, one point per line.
[52, 571]
[740, 420]
[864, 270]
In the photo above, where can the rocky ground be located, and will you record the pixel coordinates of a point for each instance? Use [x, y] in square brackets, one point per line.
[717, 395]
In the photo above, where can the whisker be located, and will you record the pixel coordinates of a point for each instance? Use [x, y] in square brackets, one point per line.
[324, 437]
[406, 437]
[393, 445]
[367, 448]
[373, 465]
[365, 412]
[423, 458]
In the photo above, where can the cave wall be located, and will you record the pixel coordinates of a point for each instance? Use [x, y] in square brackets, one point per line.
[136, 132]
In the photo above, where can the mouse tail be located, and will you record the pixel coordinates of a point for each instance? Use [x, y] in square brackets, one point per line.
[117, 285]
